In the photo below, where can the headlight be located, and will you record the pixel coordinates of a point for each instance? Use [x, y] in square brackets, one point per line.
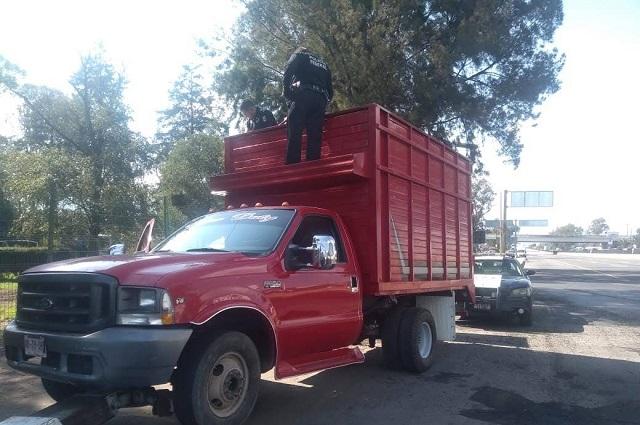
[144, 306]
[521, 292]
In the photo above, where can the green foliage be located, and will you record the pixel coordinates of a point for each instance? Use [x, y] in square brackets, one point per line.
[78, 159]
[192, 110]
[19, 259]
[7, 210]
[186, 172]
[568, 230]
[598, 226]
[469, 69]
[483, 196]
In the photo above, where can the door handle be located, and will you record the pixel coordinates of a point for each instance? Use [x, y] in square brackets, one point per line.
[353, 284]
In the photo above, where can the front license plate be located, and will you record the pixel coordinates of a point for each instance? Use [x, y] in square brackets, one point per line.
[34, 346]
[482, 306]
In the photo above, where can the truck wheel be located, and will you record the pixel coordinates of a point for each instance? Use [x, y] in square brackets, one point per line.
[390, 339]
[417, 339]
[218, 383]
[59, 390]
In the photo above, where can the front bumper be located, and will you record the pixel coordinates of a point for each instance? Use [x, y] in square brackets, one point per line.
[109, 359]
[502, 304]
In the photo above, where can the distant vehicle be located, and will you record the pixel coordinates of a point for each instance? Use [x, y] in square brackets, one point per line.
[502, 288]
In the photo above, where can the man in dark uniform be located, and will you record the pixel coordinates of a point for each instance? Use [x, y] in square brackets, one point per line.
[257, 118]
[308, 89]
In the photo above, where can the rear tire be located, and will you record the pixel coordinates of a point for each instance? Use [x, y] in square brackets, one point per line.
[217, 383]
[60, 391]
[418, 340]
[390, 339]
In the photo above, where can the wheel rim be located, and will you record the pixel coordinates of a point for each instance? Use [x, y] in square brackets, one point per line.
[227, 384]
[425, 340]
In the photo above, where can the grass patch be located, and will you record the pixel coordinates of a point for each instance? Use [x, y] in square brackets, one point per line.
[8, 313]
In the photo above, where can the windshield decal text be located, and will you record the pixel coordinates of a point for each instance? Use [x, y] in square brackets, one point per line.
[253, 216]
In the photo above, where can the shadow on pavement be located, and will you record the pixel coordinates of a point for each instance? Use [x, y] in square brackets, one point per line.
[548, 317]
[468, 384]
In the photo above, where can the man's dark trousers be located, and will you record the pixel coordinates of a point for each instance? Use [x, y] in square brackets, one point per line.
[306, 111]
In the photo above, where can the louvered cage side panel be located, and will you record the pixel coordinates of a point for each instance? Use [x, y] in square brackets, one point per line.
[419, 214]
[465, 242]
[451, 225]
[342, 134]
[399, 255]
[436, 202]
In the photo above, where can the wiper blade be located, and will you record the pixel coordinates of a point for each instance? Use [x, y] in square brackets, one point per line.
[205, 249]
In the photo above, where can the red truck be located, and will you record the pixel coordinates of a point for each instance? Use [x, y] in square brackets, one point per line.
[372, 241]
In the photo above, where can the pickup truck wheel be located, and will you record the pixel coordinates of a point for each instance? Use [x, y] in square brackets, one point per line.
[59, 390]
[218, 383]
[390, 339]
[417, 339]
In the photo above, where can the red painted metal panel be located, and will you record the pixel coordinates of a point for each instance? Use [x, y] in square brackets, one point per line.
[403, 195]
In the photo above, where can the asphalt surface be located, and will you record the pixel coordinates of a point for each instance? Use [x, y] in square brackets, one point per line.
[578, 364]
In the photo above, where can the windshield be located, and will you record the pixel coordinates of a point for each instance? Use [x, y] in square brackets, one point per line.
[501, 267]
[246, 231]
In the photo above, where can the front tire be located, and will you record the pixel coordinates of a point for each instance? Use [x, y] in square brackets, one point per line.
[218, 383]
[418, 339]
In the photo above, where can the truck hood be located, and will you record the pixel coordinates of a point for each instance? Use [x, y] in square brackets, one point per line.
[149, 269]
[496, 281]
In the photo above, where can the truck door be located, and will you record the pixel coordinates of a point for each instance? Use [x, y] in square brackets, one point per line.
[319, 310]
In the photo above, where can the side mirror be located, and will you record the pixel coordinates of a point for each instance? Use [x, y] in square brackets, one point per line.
[323, 252]
[529, 272]
[320, 255]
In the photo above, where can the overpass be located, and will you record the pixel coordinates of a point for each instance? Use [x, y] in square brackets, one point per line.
[595, 239]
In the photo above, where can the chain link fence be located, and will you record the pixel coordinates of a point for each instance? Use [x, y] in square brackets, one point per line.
[8, 294]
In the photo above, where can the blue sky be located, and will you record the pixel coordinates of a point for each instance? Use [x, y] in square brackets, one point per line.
[584, 146]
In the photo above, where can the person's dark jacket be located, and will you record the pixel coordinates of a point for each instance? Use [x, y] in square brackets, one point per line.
[262, 119]
[311, 72]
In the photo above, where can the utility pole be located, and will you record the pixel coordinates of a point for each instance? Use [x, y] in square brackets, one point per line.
[503, 239]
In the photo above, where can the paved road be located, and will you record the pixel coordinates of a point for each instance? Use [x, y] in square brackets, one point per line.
[578, 364]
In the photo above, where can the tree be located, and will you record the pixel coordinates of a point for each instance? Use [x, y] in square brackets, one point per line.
[90, 128]
[185, 174]
[192, 110]
[598, 226]
[7, 211]
[568, 230]
[469, 70]
[483, 197]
